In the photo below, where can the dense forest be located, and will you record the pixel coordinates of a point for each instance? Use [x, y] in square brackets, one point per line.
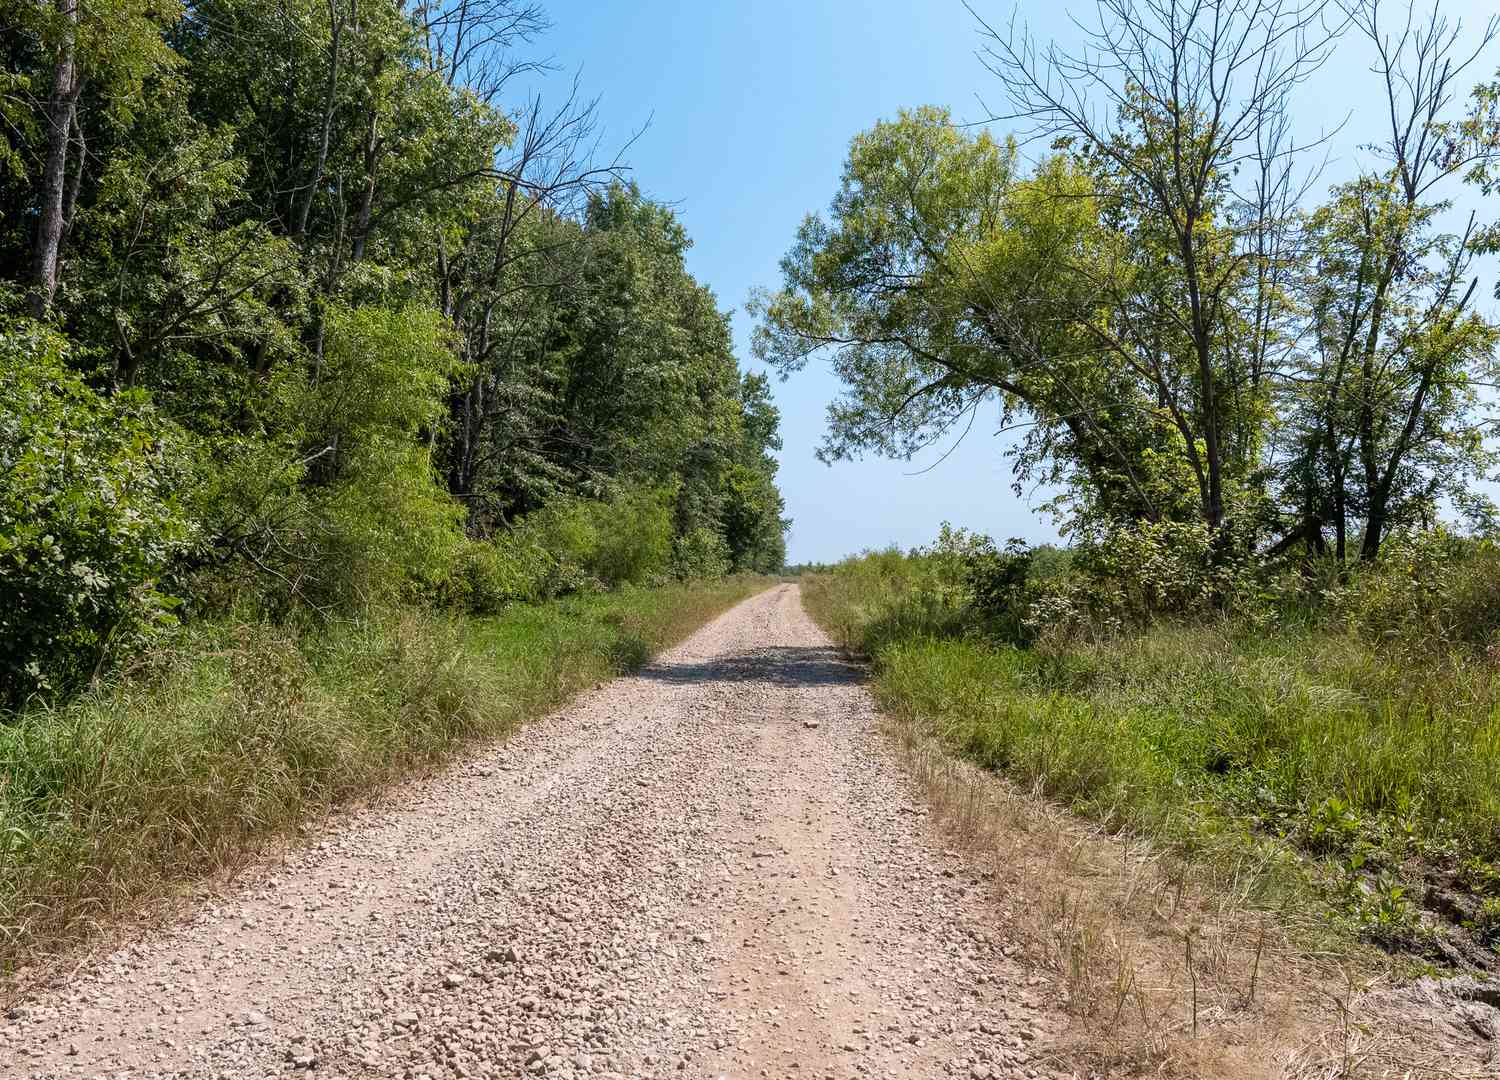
[308, 307]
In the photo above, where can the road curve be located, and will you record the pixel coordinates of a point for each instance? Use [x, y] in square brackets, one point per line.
[714, 868]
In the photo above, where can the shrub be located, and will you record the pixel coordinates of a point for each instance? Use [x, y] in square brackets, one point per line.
[1429, 589]
[345, 510]
[625, 540]
[635, 537]
[387, 532]
[90, 518]
[701, 553]
[490, 574]
[1130, 575]
[991, 581]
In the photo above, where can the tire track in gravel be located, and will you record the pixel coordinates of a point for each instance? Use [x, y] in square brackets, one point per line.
[714, 868]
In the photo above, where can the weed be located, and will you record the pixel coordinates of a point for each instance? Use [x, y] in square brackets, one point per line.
[1315, 754]
[242, 731]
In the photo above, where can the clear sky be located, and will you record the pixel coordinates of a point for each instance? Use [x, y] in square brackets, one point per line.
[751, 109]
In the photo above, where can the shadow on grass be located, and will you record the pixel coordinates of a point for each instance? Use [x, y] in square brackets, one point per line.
[629, 653]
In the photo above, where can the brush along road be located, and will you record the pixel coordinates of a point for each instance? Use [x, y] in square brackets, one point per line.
[713, 868]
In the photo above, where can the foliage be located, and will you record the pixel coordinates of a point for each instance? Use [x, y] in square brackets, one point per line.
[327, 324]
[700, 553]
[1365, 739]
[1188, 338]
[627, 540]
[91, 518]
[1435, 591]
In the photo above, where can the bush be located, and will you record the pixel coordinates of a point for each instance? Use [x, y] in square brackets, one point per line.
[1129, 576]
[1430, 589]
[90, 518]
[701, 553]
[990, 582]
[344, 509]
[627, 540]
[572, 546]
[388, 532]
[490, 574]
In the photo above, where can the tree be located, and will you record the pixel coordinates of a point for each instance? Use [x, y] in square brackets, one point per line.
[1178, 108]
[944, 281]
[1385, 402]
[324, 310]
[75, 68]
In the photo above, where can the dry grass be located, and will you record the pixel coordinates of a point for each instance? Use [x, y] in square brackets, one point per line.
[1163, 967]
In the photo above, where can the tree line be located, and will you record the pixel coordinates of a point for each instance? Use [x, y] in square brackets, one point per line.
[1198, 337]
[305, 305]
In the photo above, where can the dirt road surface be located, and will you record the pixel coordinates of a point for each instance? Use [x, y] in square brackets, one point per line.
[714, 868]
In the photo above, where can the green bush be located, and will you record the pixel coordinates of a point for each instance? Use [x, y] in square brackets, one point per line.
[90, 518]
[701, 553]
[579, 546]
[594, 544]
[344, 510]
[1431, 589]
[634, 538]
[490, 574]
[387, 532]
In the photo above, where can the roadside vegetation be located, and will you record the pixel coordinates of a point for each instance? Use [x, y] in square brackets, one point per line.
[1342, 742]
[1259, 390]
[353, 404]
[241, 732]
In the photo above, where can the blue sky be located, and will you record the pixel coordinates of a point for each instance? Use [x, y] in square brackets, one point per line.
[751, 109]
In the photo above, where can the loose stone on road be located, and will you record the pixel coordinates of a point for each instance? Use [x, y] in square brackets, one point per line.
[714, 868]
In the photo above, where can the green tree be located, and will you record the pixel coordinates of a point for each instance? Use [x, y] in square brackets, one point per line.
[91, 517]
[1384, 407]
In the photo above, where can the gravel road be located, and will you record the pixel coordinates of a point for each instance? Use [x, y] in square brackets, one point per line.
[714, 868]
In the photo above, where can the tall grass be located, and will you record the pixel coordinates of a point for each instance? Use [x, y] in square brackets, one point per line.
[243, 731]
[1379, 763]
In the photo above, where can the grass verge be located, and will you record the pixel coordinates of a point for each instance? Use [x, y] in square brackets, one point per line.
[1298, 766]
[1143, 808]
[184, 769]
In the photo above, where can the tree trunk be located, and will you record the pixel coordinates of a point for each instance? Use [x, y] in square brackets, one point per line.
[366, 200]
[1369, 547]
[62, 102]
[330, 100]
[372, 155]
[1202, 333]
[1340, 520]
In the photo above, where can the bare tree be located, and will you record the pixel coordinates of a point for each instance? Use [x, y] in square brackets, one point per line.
[473, 43]
[1171, 103]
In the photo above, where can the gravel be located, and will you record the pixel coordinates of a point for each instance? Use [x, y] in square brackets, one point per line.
[713, 868]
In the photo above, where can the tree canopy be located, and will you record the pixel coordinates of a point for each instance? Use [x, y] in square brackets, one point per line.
[299, 302]
[1182, 331]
